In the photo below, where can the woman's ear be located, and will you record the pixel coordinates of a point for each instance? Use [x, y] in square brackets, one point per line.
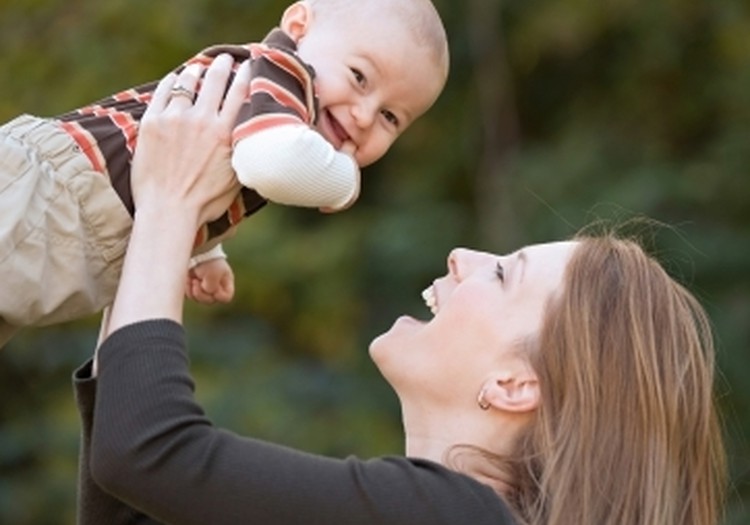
[515, 392]
[296, 20]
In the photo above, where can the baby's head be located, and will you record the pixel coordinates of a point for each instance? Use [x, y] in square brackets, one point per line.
[380, 64]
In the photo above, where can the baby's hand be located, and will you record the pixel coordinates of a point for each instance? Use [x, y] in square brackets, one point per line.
[349, 148]
[210, 282]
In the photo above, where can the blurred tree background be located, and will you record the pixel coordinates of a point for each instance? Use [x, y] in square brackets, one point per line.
[557, 113]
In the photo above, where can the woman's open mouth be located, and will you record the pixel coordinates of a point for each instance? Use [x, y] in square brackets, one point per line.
[430, 299]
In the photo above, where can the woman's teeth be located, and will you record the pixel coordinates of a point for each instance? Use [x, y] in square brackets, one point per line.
[430, 299]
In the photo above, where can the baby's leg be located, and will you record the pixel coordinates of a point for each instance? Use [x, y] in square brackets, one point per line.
[64, 230]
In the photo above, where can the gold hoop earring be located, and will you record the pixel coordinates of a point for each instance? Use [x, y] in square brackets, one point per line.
[481, 401]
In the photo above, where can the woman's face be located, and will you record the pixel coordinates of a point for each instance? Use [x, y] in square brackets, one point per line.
[482, 308]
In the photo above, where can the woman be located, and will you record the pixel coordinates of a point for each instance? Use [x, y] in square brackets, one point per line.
[565, 383]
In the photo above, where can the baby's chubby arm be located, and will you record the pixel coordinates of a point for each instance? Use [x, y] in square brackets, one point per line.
[294, 165]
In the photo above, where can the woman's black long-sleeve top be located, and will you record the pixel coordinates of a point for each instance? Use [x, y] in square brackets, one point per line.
[148, 449]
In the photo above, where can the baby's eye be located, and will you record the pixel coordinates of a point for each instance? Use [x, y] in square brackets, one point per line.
[390, 117]
[500, 272]
[358, 76]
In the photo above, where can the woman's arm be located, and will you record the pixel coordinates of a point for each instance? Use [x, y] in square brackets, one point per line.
[94, 505]
[178, 143]
[154, 448]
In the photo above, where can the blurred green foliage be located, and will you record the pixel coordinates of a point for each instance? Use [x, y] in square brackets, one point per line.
[557, 113]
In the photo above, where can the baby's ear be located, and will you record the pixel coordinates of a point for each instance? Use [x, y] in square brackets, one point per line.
[296, 20]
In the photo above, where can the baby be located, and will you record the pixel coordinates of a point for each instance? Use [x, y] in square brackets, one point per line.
[332, 88]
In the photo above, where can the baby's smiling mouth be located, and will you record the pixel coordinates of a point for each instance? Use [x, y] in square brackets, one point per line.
[339, 133]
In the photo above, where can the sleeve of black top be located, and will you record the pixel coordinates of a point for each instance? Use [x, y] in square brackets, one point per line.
[94, 506]
[154, 448]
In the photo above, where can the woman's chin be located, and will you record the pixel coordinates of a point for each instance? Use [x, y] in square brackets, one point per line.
[395, 339]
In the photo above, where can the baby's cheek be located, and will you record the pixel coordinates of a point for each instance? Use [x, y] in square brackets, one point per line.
[369, 154]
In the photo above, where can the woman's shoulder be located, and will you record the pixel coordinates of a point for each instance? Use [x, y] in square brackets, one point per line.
[431, 492]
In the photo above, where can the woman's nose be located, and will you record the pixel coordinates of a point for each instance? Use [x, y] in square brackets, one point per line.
[460, 262]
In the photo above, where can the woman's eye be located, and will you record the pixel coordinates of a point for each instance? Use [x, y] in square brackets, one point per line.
[390, 117]
[500, 272]
[358, 76]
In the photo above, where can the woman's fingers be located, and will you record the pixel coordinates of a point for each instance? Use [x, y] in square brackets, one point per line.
[183, 90]
[215, 98]
[161, 95]
[214, 84]
[178, 92]
[184, 147]
[174, 89]
[236, 95]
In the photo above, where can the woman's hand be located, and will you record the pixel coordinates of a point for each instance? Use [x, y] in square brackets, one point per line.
[181, 178]
[182, 160]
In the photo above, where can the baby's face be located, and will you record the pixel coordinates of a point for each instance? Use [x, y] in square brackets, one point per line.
[372, 83]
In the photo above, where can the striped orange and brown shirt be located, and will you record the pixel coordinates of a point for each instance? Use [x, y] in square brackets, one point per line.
[281, 92]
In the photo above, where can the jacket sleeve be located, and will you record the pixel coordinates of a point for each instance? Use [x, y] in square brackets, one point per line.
[154, 448]
[94, 506]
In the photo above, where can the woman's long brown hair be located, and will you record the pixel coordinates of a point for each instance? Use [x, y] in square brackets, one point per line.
[627, 431]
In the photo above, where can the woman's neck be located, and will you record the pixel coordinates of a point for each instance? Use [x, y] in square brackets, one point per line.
[472, 443]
